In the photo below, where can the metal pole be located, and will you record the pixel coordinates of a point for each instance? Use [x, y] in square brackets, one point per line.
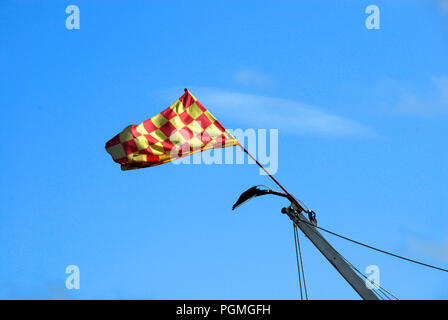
[336, 260]
[294, 213]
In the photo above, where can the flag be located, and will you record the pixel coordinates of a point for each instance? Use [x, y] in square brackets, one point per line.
[184, 128]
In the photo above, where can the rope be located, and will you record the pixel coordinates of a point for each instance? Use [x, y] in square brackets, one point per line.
[374, 248]
[380, 288]
[301, 262]
[298, 261]
[299, 206]
[382, 292]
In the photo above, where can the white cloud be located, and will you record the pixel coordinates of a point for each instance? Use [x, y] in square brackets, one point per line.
[427, 98]
[437, 250]
[253, 78]
[444, 5]
[286, 115]
[433, 102]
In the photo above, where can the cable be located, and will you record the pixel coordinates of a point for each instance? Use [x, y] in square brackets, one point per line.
[270, 176]
[373, 248]
[301, 262]
[383, 290]
[298, 263]
[346, 238]
[302, 203]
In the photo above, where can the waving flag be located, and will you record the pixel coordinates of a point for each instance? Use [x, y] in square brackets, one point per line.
[180, 130]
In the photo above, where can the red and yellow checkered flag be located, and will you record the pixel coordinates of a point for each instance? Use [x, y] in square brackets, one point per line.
[184, 128]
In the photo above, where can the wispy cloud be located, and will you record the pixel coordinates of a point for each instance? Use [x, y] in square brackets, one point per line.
[47, 291]
[437, 250]
[287, 115]
[254, 78]
[430, 98]
[433, 103]
[444, 5]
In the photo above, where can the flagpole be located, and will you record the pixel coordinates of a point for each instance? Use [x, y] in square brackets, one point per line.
[339, 262]
[291, 198]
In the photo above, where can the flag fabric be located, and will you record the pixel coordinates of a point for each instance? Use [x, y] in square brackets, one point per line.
[180, 130]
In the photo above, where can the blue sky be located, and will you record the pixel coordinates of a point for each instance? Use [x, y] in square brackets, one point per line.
[362, 140]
